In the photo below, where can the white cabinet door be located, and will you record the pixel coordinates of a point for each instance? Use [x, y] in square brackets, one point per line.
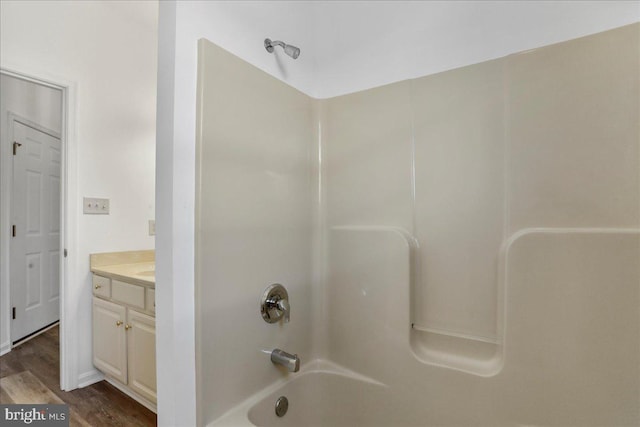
[109, 339]
[141, 341]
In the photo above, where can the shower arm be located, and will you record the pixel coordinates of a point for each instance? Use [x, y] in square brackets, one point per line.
[269, 44]
[277, 43]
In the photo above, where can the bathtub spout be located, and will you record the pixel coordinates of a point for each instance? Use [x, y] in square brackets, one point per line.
[289, 361]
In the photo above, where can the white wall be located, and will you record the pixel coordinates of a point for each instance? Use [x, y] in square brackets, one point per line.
[41, 105]
[108, 49]
[38, 103]
[360, 46]
[346, 47]
[175, 312]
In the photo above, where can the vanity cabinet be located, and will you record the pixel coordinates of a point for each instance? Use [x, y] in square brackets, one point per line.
[124, 335]
[141, 354]
[109, 339]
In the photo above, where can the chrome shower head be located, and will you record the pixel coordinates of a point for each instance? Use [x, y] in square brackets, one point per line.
[290, 50]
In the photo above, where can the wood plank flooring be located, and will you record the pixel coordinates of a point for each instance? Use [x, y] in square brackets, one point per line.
[25, 387]
[30, 374]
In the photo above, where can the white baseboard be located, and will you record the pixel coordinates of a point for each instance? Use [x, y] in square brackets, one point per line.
[90, 377]
[5, 348]
[132, 394]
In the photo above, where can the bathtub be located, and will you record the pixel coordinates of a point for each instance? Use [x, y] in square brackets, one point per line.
[322, 395]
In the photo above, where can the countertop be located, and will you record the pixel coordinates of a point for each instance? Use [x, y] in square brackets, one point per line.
[137, 267]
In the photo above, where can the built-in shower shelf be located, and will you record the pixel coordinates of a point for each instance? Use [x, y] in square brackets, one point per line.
[477, 356]
[378, 266]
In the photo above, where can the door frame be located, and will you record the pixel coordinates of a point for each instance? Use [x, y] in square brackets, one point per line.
[69, 208]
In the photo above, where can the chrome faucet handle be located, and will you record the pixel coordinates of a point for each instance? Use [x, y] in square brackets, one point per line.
[275, 304]
[283, 305]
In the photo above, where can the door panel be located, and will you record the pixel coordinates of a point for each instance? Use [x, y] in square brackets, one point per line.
[33, 281]
[109, 339]
[141, 342]
[35, 249]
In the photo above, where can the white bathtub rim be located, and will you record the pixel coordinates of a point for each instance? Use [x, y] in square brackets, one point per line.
[239, 414]
[328, 367]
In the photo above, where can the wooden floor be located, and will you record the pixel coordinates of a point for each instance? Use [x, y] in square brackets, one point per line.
[31, 372]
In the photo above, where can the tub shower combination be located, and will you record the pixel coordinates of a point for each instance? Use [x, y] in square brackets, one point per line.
[457, 249]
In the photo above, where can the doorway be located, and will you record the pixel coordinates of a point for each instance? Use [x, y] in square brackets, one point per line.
[32, 183]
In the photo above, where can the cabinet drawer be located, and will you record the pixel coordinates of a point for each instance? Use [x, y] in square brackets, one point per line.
[129, 294]
[101, 286]
[151, 300]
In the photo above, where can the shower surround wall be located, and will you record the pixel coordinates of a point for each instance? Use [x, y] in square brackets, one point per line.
[478, 232]
[253, 219]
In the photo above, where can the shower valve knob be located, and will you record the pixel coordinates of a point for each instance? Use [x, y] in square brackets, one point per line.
[275, 304]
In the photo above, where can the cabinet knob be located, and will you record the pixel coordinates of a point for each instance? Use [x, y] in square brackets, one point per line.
[97, 286]
[119, 322]
[127, 327]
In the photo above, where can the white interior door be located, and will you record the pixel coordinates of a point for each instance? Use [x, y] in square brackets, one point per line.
[35, 242]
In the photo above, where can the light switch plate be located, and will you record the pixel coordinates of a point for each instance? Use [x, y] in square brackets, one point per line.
[93, 206]
[152, 227]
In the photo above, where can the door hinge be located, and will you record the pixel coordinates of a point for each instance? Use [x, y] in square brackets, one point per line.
[13, 231]
[65, 252]
[15, 147]
[13, 311]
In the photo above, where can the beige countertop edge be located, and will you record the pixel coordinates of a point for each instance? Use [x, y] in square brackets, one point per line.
[136, 280]
[105, 259]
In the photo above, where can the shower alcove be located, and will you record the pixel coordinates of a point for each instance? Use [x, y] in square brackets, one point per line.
[459, 249]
